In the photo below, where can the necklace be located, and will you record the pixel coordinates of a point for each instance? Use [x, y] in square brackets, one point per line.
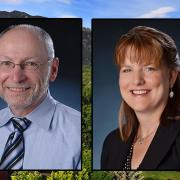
[127, 165]
[140, 140]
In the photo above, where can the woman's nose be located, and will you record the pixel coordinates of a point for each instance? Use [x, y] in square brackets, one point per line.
[138, 78]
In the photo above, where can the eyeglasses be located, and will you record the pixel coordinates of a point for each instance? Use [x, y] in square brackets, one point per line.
[27, 66]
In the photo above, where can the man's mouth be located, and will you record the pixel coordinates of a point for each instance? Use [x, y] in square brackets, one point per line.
[18, 89]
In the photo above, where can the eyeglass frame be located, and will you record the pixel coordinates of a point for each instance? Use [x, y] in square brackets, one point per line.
[22, 65]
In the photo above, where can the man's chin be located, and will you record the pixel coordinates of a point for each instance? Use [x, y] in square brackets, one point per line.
[19, 103]
[18, 106]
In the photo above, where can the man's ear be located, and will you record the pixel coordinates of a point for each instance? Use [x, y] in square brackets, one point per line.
[54, 69]
[173, 77]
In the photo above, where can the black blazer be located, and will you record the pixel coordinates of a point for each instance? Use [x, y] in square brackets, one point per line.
[162, 154]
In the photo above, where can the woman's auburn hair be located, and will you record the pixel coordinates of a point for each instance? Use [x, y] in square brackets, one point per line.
[149, 45]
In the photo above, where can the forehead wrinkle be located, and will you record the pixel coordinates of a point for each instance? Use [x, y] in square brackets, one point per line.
[25, 58]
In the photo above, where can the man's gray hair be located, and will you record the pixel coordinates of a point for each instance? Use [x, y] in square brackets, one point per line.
[41, 33]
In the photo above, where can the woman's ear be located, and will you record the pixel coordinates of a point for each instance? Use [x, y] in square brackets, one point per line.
[173, 77]
[54, 69]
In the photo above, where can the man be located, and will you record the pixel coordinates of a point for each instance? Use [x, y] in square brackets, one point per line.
[37, 132]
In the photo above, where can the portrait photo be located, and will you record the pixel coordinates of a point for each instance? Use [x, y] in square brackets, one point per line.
[136, 100]
[40, 106]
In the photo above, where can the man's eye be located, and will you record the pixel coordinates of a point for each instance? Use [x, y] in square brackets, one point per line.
[6, 63]
[33, 64]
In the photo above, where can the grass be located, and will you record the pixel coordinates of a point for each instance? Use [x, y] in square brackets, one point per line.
[161, 175]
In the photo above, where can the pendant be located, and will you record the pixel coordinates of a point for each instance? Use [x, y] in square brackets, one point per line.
[140, 141]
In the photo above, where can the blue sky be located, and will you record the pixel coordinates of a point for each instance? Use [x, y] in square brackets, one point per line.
[95, 8]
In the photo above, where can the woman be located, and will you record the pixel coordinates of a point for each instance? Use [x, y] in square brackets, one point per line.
[148, 137]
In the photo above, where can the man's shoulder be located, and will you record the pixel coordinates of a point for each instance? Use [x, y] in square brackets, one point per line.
[66, 111]
[4, 116]
[68, 121]
[4, 111]
[67, 117]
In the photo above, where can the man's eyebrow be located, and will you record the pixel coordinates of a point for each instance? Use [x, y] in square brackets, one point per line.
[23, 60]
[29, 58]
[2, 56]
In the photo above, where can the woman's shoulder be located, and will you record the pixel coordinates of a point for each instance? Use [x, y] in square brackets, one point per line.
[113, 138]
[114, 151]
[114, 134]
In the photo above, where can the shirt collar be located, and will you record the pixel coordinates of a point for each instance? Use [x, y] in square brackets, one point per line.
[41, 115]
[5, 116]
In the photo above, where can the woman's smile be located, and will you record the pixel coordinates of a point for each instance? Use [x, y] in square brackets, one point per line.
[140, 92]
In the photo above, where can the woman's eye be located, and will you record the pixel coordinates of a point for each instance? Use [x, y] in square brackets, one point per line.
[150, 68]
[126, 70]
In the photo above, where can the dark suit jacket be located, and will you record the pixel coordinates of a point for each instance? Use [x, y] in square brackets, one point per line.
[162, 154]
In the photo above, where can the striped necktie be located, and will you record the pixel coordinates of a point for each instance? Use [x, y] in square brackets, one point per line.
[13, 155]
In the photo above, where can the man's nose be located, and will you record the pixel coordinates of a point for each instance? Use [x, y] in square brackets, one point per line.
[17, 74]
[138, 78]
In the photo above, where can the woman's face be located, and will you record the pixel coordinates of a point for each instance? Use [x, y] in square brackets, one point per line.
[145, 87]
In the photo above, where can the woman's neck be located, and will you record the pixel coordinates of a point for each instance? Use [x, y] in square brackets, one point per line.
[147, 123]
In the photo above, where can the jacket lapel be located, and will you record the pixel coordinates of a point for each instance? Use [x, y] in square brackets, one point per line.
[160, 145]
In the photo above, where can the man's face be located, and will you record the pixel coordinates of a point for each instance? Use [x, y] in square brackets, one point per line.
[24, 89]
